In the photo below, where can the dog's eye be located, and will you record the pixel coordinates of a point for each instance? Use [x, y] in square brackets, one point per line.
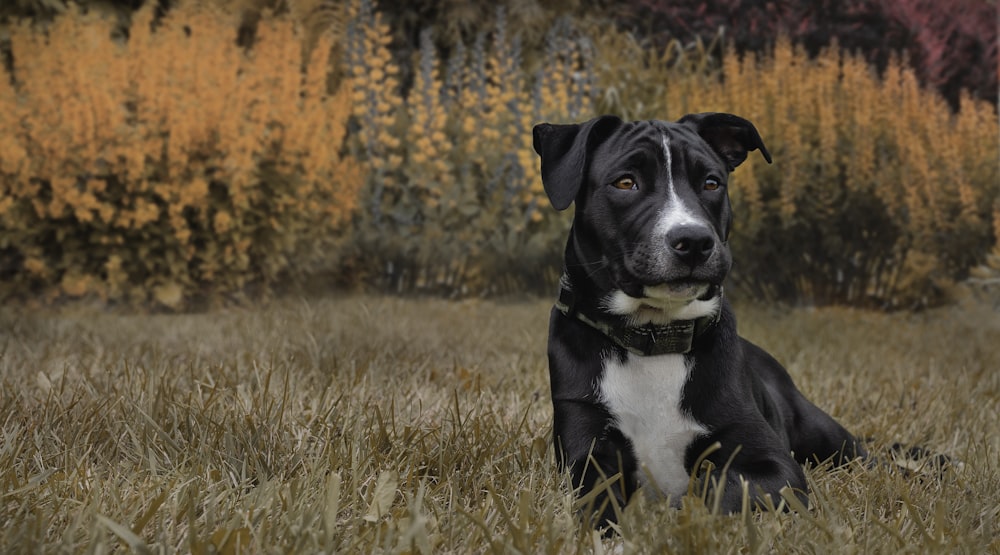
[711, 184]
[626, 183]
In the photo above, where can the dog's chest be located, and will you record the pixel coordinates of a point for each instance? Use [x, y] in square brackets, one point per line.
[644, 397]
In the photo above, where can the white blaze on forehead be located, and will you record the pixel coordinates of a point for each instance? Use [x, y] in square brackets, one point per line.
[675, 213]
[665, 141]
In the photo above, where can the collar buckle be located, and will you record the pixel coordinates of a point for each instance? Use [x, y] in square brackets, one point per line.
[675, 337]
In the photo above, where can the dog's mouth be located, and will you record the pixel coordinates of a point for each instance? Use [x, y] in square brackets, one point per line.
[671, 294]
[664, 302]
[674, 291]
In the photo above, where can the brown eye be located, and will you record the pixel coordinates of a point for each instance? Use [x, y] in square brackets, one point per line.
[626, 183]
[711, 184]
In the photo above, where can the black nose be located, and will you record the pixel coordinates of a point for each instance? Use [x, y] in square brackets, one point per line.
[691, 244]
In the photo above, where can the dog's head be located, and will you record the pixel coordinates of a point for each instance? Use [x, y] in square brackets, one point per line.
[652, 207]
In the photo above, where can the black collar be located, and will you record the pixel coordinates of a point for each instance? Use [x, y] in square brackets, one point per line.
[648, 339]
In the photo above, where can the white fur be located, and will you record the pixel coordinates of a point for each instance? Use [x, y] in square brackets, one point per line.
[644, 395]
[662, 305]
[665, 142]
[675, 213]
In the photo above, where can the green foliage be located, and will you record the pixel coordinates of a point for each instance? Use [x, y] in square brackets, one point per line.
[637, 80]
[457, 206]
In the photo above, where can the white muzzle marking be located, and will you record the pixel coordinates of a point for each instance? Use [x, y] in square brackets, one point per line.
[659, 308]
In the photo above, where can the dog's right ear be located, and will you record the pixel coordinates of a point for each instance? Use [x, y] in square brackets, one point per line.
[731, 136]
[564, 149]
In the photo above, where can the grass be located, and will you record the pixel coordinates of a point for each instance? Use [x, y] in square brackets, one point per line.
[363, 424]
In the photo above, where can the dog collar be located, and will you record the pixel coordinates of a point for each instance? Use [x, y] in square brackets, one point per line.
[649, 339]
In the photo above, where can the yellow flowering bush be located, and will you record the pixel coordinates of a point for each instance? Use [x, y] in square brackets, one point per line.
[879, 195]
[176, 165]
[173, 166]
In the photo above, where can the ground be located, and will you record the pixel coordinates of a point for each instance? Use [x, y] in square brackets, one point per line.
[359, 423]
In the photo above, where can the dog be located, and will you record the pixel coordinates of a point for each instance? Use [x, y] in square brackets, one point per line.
[648, 374]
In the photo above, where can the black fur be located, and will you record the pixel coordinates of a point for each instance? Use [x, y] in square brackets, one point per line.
[736, 390]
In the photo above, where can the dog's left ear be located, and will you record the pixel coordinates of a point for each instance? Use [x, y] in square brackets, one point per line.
[731, 136]
[564, 150]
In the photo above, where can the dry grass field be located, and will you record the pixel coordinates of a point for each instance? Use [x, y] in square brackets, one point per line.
[372, 424]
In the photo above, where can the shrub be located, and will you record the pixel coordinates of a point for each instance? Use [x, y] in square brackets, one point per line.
[879, 194]
[984, 280]
[172, 167]
[178, 165]
[638, 80]
[457, 205]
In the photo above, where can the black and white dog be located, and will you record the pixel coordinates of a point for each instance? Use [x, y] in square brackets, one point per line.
[647, 371]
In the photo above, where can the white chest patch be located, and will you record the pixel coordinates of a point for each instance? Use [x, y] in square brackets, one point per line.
[644, 395]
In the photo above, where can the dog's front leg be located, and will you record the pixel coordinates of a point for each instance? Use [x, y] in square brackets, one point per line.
[766, 471]
[599, 459]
